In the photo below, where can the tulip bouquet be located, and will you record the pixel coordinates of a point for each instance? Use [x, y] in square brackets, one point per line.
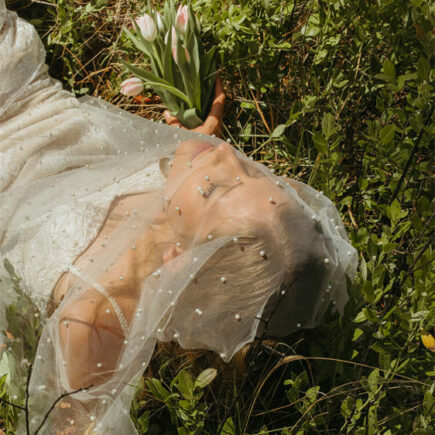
[183, 74]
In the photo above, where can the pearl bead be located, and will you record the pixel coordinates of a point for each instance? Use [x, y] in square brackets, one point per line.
[71, 422]
[298, 325]
[108, 311]
[133, 247]
[159, 330]
[271, 200]
[222, 355]
[177, 208]
[237, 178]
[229, 140]
[207, 178]
[262, 253]
[121, 366]
[198, 311]
[237, 317]
[223, 279]
[65, 322]
[189, 165]
[114, 391]
[125, 341]
[104, 401]
[64, 363]
[235, 239]
[195, 259]
[143, 337]
[176, 335]
[326, 260]
[99, 365]
[121, 278]
[178, 244]
[210, 237]
[349, 253]
[283, 293]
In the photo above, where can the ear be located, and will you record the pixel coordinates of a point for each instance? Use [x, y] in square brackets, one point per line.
[171, 252]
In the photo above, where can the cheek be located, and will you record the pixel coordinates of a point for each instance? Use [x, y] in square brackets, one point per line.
[191, 209]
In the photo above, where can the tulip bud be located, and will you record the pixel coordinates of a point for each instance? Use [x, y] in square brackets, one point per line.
[147, 27]
[174, 36]
[187, 55]
[181, 19]
[174, 54]
[132, 87]
[160, 23]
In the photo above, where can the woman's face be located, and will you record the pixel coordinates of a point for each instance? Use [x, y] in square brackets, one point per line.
[212, 192]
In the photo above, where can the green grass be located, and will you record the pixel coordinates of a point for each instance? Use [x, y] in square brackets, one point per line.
[340, 96]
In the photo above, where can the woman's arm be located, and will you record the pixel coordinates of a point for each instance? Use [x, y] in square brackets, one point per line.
[92, 337]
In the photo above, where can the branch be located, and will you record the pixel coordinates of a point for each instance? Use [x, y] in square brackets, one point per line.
[414, 150]
[12, 404]
[54, 404]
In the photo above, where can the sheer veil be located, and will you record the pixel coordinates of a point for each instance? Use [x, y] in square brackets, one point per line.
[63, 164]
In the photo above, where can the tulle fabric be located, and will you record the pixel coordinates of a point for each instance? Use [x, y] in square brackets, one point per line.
[63, 163]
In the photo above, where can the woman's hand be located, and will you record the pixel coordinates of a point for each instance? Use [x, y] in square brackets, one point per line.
[213, 124]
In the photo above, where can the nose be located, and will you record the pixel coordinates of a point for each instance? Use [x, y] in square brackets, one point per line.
[225, 152]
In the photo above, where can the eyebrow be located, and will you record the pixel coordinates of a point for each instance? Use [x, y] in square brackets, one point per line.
[231, 188]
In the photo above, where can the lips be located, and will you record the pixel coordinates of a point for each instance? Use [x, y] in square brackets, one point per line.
[201, 147]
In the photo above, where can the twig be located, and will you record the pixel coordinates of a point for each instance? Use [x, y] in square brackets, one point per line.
[54, 404]
[26, 405]
[414, 150]
[12, 404]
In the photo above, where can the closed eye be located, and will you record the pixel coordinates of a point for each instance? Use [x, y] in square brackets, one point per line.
[212, 187]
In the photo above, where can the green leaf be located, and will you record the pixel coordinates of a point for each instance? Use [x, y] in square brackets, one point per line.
[185, 384]
[357, 334]
[387, 133]
[394, 212]
[328, 125]
[140, 45]
[389, 70]
[229, 427]
[205, 377]
[423, 68]
[157, 389]
[278, 131]
[320, 143]
[155, 82]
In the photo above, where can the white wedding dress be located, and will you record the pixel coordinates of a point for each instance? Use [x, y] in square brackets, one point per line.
[45, 131]
[63, 161]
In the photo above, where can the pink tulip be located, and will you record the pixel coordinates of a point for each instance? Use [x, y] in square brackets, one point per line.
[132, 87]
[159, 19]
[147, 27]
[181, 19]
[174, 54]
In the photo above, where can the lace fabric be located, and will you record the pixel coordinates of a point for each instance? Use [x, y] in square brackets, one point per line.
[189, 257]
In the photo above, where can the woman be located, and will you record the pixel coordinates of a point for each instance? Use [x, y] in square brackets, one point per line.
[125, 232]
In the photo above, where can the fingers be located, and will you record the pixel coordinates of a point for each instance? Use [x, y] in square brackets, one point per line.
[172, 120]
[219, 90]
[213, 123]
